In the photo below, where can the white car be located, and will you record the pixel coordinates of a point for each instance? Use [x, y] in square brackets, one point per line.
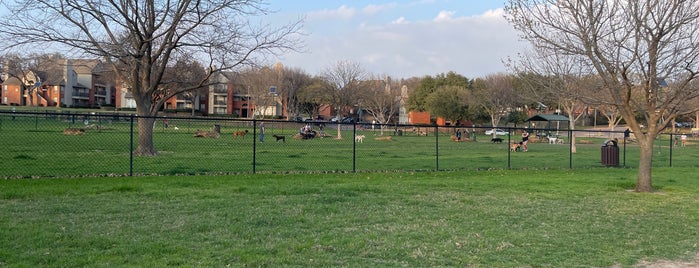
[497, 132]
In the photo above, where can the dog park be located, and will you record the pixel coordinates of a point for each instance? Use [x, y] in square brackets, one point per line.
[412, 199]
[37, 145]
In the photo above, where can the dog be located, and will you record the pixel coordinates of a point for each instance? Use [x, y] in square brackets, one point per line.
[515, 146]
[496, 140]
[73, 131]
[552, 140]
[206, 134]
[359, 138]
[240, 134]
[279, 138]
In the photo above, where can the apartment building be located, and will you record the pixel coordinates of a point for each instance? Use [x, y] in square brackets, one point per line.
[60, 83]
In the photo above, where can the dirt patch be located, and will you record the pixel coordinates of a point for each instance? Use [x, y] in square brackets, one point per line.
[668, 264]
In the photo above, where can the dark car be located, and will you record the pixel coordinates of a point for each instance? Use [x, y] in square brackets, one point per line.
[349, 120]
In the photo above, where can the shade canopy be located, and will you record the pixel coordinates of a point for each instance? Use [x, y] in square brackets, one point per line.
[547, 117]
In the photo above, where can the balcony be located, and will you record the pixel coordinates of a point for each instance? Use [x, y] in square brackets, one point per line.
[220, 91]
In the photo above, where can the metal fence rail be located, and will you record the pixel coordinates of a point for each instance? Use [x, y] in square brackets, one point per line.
[55, 144]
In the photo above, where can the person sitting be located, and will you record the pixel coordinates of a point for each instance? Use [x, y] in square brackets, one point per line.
[611, 142]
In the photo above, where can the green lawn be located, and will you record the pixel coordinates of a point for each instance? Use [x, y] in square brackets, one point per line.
[499, 218]
[34, 146]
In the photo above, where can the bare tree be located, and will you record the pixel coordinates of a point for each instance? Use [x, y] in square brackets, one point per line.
[258, 83]
[293, 81]
[560, 78]
[382, 100]
[633, 46]
[496, 95]
[141, 38]
[343, 81]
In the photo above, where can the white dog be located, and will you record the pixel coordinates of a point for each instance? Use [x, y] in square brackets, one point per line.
[552, 140]
[359, 138]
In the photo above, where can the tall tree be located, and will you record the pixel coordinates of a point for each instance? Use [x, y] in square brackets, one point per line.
[418, 96]
[448, 102]
[633, 46]
[257, 82]
[560, 78]
[382, 100]
[496, 95]
[140, 39]
[343, 81]
[293, 81]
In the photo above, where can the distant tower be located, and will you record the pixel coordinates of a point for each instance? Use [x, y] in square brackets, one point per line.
[387, 85]
[278, 67]
[403, 113]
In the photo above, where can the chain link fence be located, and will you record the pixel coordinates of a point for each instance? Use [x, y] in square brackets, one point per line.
[61, 144]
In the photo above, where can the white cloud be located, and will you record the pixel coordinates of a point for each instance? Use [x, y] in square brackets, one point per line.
[473, 46]
[343, 12]
[375, 9]
[400, 20]
[444, 16]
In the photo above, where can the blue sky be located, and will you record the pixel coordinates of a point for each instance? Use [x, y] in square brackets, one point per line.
[401, 38]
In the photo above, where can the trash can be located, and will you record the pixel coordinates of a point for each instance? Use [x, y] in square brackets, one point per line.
[610, 156]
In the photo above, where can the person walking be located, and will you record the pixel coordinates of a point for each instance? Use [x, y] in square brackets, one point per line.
[262, 132]
[525, 139]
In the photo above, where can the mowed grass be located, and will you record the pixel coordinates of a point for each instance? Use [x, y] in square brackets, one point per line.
[35, 146]
[499, 218]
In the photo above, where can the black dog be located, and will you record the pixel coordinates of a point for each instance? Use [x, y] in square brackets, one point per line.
[282, 138]
[496, 140]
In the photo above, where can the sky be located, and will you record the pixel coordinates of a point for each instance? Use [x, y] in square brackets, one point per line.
[401, 38]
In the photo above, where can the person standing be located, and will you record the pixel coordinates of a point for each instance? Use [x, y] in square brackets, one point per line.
[262, 132]
[525, 139]
[683, 139]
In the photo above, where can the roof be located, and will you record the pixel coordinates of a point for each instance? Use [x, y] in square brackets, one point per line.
[548, 117]
[85, 66]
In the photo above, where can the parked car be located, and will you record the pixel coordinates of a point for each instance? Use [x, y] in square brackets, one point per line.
[497, 132]
[683, 124]
[348, 120]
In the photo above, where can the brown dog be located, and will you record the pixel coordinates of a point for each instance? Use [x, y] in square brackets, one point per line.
[73, 131]
[515, 146]
[240, 134]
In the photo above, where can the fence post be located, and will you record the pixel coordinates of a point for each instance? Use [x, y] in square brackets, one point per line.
[354, 148]
[436, 145]
[130, 146]
[509, 142]
[254, 145]
[671, 143]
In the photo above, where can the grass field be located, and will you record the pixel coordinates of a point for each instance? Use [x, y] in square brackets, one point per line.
[35, 146]
[510, 218]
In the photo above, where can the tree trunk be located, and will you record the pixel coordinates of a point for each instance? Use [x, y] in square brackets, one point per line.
[145, 137]
[643, 182]
[573, 148]
[339, 128]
